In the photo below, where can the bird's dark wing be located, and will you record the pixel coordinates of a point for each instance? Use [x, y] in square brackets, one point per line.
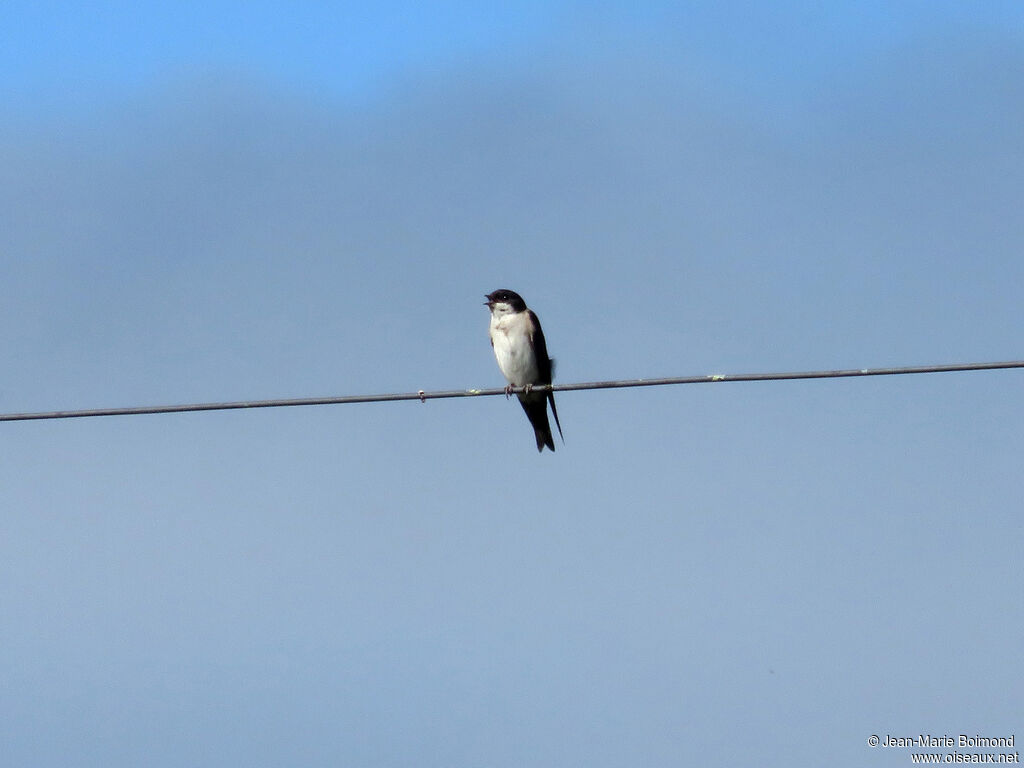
[540, 347]
[545, 366]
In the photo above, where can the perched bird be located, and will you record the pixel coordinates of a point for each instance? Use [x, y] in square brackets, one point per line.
[522, 356]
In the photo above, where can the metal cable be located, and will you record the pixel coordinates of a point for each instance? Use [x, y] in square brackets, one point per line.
[424, 396]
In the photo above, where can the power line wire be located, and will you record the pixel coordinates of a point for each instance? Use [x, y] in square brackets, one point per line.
[424, 396]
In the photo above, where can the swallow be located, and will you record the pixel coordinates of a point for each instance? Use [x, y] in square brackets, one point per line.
[522, 355]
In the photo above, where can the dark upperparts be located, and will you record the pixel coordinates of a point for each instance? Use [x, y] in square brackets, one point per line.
[505, 296]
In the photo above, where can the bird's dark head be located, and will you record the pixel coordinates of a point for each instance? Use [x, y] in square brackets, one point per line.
[505, 301]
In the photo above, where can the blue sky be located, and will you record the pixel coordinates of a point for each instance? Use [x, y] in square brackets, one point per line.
[218, 202]
[55, 50]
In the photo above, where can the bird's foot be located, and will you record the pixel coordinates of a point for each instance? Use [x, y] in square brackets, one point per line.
[508, 391]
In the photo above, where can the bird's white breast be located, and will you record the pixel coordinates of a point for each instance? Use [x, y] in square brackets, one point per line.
[513, 348]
